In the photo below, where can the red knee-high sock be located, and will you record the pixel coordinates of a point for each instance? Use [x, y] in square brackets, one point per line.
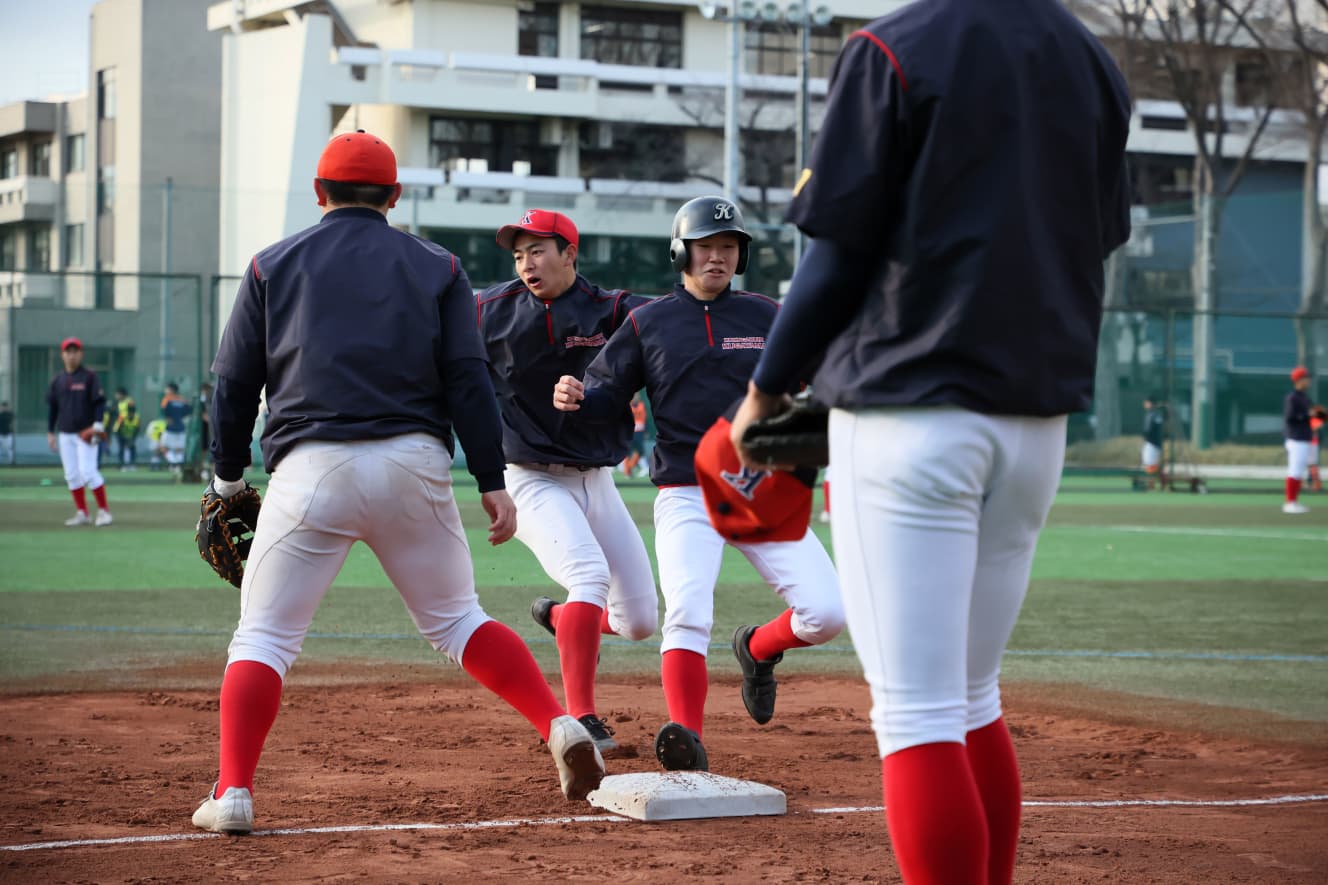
[992, 760]
[934, 814]
[685, 685]
[498, 660]
[578, 652]
[826, 492]
[100, 494]
[1292, 489]
[604, 627]
[80, 497]
[776, 636]
[250, 698]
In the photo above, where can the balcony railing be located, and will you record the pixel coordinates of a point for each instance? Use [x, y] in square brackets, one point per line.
[27, 198]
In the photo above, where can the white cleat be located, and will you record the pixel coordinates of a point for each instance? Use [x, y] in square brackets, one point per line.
[1288, 507]
[580, 765]
[104, 517]
[825, 516]
[79, 518]
[233, 813]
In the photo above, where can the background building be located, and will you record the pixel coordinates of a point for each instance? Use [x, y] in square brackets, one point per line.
[103, 193]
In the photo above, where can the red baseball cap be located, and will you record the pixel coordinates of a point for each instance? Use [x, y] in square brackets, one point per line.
[358, 158]
[1299, 372]
[541, 223]
[71, 342]
[750, 505]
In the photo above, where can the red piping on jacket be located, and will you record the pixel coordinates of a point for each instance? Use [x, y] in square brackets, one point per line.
[710, 335]
[548, 319]
[899, 72]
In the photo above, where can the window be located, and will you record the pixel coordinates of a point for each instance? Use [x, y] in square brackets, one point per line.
[105, 190]
[537, 31]
[498, 143]
[769, 158]
[537, 35]
[73, 246]
[648, 38]
[8, 250]
[773, 47]
[39, 249]
[106, 102]
[9, 163]
[41, 160]
[74, 146]
[632, 151]
[1253, 83]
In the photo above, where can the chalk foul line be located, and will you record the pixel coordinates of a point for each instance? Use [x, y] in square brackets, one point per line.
[613, 818]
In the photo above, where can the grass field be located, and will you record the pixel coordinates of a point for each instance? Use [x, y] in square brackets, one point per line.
[1214, 599]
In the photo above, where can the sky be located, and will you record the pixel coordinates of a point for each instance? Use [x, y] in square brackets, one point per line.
[43, 48]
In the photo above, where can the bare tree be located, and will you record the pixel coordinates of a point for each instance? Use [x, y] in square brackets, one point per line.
[1197, 41]
[1296, 56]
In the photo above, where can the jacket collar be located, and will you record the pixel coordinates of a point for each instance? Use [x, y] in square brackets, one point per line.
[683, 295]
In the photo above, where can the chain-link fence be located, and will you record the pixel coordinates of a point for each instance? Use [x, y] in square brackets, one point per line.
[140, 332]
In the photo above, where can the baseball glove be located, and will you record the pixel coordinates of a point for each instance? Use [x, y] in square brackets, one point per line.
[225, 530]
[1319, 412]
[798, 437]
[92, 435]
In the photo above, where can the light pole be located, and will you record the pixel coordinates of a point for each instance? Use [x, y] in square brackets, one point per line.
[745, 11]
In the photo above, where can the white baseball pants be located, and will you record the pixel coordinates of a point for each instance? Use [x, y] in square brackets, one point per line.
[173, 441]
[690, 552]
[1150, 454]
[393, 494]
[79, 460]
[576, 524]
[1298, 458]
[937, 514]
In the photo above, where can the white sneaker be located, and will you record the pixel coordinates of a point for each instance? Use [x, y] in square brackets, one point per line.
[233, 813]
[104, 518]
[1288, 507]
[580, 766]
[824, 517]
[79, 518]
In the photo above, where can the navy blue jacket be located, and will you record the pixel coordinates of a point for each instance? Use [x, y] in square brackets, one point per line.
[1296, 417]
[531, 343]
[74, 401]
[693, 357]
[971, 175]
[359, 331]
[1154, 421]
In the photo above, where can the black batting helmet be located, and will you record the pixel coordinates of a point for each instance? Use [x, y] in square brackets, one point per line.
[705, 217]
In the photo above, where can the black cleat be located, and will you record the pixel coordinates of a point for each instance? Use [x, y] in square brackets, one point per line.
[758, 677]
[600, 732]
[678, 748]
[542, 611]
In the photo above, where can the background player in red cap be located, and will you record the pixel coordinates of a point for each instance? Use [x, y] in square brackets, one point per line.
[693, 350]
[75, 403]
[963, 193]
[364, 338]
[1298, 432]
[548, 322]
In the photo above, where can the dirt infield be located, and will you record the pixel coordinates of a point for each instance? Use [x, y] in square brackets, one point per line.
[406, 751]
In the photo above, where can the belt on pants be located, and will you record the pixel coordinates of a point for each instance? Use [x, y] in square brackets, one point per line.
[557, 468]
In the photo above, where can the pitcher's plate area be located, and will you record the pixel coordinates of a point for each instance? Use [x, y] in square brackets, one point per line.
[684, 795]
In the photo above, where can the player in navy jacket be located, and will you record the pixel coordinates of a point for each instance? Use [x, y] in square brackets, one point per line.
[693, 351]
[548, 322]
[961, 198]
[364, 339]
[74, 428]
[1298, 413]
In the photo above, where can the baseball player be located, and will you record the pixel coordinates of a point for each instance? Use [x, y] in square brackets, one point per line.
[1297, 413]
[632, 463]
[962, 195]
[1155, 419]
[174, 408]
[693, 350]
[548, 322]
[6, 433]
[73, 428]
[364, 337]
